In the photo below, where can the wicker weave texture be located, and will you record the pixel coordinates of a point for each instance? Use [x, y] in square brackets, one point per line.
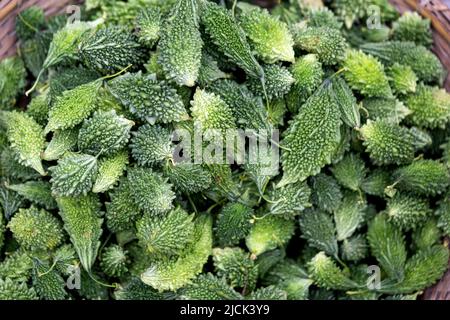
[438, 11]
[9, 11]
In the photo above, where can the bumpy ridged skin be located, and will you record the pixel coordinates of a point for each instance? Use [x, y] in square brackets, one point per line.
[140, 259]
[104, 133]
[411, 27]
[64, 258]
[65, 41]
[424, 63]
[233, 224]
[109, 171]
[209, 70]
[124, 13]
[26, 139]
[81, 221]
[422, 139]
[9, 201]
[261, 166]
[187, 177]
[36, 51]
[49, 285]
[443, 213]
[91, 289]
[387, 143]
[423, 269]
[425, 177]
[278, 82]
[375, 182]
[73, 106]
[354, 248]
[147, 98]
[349, 215]
[326, 193]
[181, 45]
[311, 138]
[210, 112]
[172, 274]
[2, 231]
[296, 288]
[14, 290]
[344, 143]
[236, 267]
[29, 22]
[379, 34]
[122, 212]
[365, 74]
[446, 153]
[208, 287]
[387, 109]
[16, 266]
[148, 23]
[285, 269]
[37, 192]
[322, 17]
[114, 261]
[427, 235]
[268, 233]
[62, 141]
[268, 260]
[407, 211]
[387, 244]
[135, 289]
[152, 193]
[350, 171]
[328, 44]
[318, 229]
[228, 36]
[269, 37]
[308, 74]
[38, 108]
[153, 66]
[290, 200]
[403, 80]
[168, 235]
[111, 49]
[325, 273]
[430, 107]
[268, 293]
[247, 109]
[68, 79]
[12, 80]
[74, 175]
[350, 11]
[36, 229]
[346, 102]
[151, 144]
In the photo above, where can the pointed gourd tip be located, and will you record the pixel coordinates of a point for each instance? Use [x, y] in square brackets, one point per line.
[47, 129]
[190, 82]
[39, 168]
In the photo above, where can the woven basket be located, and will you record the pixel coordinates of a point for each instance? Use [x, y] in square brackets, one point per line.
[438, 11]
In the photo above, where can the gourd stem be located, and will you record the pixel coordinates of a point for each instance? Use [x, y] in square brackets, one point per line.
[49, 270]
[233, 7]
[116, 74]
[35, 83]
[114, 285]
